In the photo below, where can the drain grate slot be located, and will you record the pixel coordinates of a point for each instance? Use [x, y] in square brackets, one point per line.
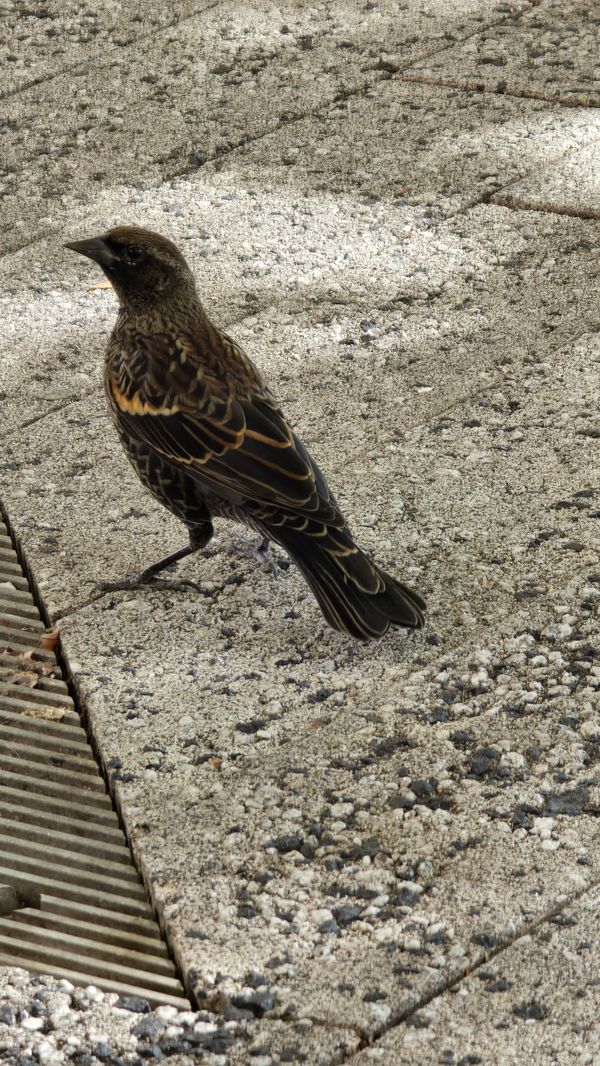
[80, 910]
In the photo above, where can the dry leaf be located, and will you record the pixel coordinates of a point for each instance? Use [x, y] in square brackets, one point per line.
[26, 677]
[216, 762]
[52, 714]
[314, 725]
[49, 641]
[25, 658]
[100, 285]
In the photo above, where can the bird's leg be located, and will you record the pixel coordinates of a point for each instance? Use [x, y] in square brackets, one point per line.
[266, 556]
[261, 551]
[199, 538]
[167, 560]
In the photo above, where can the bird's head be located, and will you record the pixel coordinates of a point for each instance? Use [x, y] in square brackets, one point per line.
[144, 268]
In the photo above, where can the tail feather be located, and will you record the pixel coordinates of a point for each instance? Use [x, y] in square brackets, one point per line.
[355, 595]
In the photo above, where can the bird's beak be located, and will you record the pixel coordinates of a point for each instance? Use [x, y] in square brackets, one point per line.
[97, 249]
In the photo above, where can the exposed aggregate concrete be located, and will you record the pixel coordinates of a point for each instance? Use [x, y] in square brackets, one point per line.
[45, 1022]
[550, 50]
[333, 834]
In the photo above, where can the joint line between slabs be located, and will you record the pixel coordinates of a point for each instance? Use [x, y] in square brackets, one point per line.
[487, 387]
[47, 78]
[589, 213]
[385, 77]
[473, 86]
[46, 414]
[44, 79]
[425, 1000]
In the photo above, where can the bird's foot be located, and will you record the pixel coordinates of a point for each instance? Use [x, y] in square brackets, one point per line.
[265, 555]
[261, 551]
[150, 581]
[148, 576]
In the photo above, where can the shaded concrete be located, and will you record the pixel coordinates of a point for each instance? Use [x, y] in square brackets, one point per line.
[550, 51]
[214, 81]
[39, 43]
[333, 834]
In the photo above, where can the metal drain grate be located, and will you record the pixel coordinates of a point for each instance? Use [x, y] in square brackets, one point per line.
[82, 911]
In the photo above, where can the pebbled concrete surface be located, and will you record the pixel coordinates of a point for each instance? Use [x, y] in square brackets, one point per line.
[493, 1019]
[549, 51]
[378, 853]
[43, 1020]
[39, 42]
[569, 186]
[228, 75]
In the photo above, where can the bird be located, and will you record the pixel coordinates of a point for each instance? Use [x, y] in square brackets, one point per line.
[207, 437]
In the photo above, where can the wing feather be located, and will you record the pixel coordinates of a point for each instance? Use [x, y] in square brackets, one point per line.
[242, 447]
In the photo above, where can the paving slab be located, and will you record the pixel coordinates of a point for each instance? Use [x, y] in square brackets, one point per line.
[216, 80]
[455, 147]
[327, 826]
[39, 43]
[569, 186]
[536, 1002]
[550, 51]
[50, 470]
[342, 857]
[291, 236]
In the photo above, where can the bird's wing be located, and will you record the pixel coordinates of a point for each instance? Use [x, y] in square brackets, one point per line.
[241, 448]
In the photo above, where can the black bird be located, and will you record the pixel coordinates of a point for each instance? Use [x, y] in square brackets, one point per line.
[208, 438]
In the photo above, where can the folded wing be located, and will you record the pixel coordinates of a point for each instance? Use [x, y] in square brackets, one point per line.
[242, 448]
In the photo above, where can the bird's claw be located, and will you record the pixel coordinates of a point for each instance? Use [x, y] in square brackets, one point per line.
[174, 586]
[130, 582]
[265, 555]
[261, 551]
[147, 581]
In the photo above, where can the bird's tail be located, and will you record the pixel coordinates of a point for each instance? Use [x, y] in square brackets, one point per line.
[355, 596]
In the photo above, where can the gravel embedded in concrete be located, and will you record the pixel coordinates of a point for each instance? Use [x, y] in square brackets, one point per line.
[493, 1018]
[550, 50]
[570, 185]
[37, 45]
[51, 1022]
[331, 833]
[414, 144]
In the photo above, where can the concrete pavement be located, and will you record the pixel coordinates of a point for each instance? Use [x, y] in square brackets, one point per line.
[384, 853]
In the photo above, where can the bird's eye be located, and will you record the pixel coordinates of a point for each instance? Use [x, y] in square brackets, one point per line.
[135, 253]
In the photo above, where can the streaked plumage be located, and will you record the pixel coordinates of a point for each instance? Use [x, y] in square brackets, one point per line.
[208, 439]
